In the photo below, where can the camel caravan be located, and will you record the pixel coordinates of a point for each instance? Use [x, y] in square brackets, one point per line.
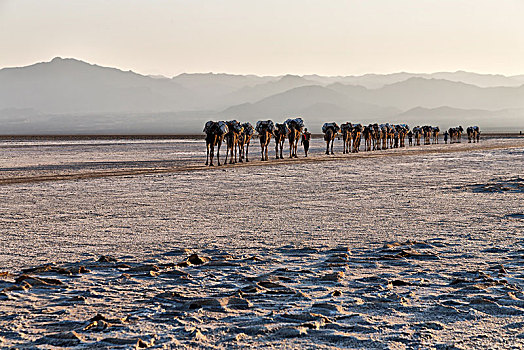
[237, 137]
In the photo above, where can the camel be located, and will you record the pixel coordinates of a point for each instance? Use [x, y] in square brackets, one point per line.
[455, 134]
[346, 136]
[391, 135]
[473, 133]
[243, 141]
[451, 132]
[295, 130]
[459, 134]
[426, 131]
[384, 135]
[280, 132]
[215, 132]
[402, 130]
[417, 133]
[330, 131]
[235, 129]
[376, 136]
[469, 131]
[395, 136]
[264, 129]
[356, 133]
[435, 131]
[367, 136]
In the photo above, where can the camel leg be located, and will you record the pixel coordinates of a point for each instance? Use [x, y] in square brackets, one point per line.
[240, 153]
[210, 152]
[218, 154]
[247, 152]
[207, 154]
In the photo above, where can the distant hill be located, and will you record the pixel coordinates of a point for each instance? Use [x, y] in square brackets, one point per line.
[218, 90]
[315, 103]
[448, 117]
[431, 93]
[72, 96]
[376, 81]
[261, 91]
[72, 86]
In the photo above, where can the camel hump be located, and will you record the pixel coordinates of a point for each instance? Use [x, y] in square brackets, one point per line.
[248, 128]
[296, 123]
[264, 125]
[334, 126]
[208, 126]
[222, 126]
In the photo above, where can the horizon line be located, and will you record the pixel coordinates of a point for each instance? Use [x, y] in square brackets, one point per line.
[203, 72]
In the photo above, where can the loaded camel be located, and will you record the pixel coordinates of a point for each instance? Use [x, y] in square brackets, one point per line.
[295, 130]
[356, 134]
[280, 132]
[402, 133]
[473, 133]
[215, 133]
[377, 136]
[426, 131]
[435, 131]
[367, 137]
[330, 131]
[346, 136]
[384, 135]
[243, 141]
[235, 129]
[264, 129]
[417, 133]
[455, 134]
[391, 135]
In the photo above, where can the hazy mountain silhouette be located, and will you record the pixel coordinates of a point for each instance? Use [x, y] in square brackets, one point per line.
[214, 89]
[375, 81]
[71, 96]
[432, 93]
[73, 86]
[315, 103]
[261, 91]
[448, 116]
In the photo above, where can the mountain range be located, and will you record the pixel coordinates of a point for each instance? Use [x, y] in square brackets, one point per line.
[75, 97]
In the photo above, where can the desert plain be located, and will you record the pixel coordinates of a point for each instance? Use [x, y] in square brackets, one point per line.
[135, 244]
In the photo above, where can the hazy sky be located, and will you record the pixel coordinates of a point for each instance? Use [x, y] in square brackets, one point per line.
[328, 37]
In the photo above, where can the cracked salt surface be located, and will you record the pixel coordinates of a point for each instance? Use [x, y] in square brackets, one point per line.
[383, 252]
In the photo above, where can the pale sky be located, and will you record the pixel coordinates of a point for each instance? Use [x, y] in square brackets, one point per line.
[268, 37]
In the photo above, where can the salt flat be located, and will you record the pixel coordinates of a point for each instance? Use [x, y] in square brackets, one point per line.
[419, 247]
